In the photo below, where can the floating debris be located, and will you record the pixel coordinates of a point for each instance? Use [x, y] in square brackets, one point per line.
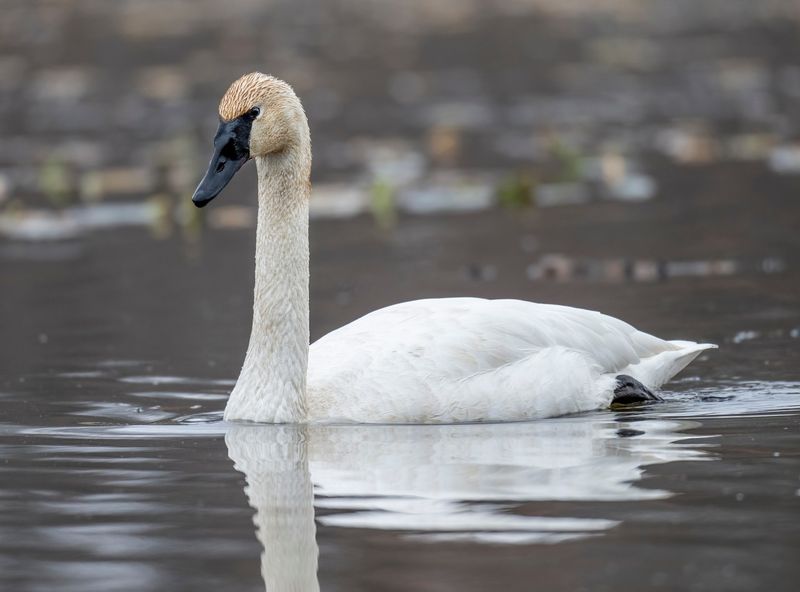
[444, 145]
[480, 272]
[745, 336]
[646, 271]
[330, 200]
[394, 162]
[444, 196]
[46, 225]
[38, 225]
[564, 268]
[618, 177]
[785, 159]
[112, 215]
[562, 194]
[773, 265]
[688, 144]
[552, 267]
[701, 268]
[633, 187]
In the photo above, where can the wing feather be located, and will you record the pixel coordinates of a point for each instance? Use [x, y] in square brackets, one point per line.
[456, 337]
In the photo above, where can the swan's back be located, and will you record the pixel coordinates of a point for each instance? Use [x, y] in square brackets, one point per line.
[460, 359]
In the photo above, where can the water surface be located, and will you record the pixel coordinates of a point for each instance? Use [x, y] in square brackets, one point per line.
[118, 473]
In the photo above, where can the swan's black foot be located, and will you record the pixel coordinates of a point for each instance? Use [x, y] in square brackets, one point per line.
[630, 391]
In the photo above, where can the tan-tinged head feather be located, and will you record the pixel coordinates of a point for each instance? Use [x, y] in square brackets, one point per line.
[245, 93]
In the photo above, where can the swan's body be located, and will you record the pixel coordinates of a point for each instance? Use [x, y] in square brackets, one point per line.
[427, 361]
[468, 359]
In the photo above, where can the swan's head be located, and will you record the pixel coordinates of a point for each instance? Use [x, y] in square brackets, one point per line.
[259, 115]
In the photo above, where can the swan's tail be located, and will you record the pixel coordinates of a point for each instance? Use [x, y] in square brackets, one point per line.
[658, 369]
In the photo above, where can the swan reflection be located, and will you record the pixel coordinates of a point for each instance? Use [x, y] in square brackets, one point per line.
[458, 482]
[275, 465]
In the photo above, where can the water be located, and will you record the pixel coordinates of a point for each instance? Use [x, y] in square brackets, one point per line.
[682, 496]
[658, 142]
[117, 472]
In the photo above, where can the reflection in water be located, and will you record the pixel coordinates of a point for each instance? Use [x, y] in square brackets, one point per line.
[455, 483]
[279, 489]
[91, 504]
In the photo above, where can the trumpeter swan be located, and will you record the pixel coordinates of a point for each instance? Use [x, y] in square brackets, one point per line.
[426, 361]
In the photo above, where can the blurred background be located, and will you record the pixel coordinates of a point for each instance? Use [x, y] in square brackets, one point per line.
[465, 146]
[639, 157]
[415, 106]
[495, 148]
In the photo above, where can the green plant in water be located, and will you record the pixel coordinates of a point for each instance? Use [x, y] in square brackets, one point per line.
[191, 221]
[517, 190]
[57, 182]
[162, 222]
[91, 186]
[382, 204]
[568, 163]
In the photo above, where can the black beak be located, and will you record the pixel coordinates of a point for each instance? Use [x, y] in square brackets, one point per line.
[231, 151]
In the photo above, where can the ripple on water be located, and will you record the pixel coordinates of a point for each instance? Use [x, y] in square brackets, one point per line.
[159, 380]
[745, 398]
[465, 483]
[82, 374]
[124, 412]
[191, 396]
[213, 428]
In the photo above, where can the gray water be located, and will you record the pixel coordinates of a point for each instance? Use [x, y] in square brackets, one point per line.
[117, 472]
[669, 128]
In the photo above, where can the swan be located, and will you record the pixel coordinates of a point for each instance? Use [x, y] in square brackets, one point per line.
[446, 360]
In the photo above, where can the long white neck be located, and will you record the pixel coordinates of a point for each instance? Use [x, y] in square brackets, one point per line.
[272, 384]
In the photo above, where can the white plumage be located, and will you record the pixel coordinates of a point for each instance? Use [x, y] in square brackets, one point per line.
[469, 359]
[427, 361]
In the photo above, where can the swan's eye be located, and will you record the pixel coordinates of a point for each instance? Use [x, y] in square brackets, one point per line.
[255, 112]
